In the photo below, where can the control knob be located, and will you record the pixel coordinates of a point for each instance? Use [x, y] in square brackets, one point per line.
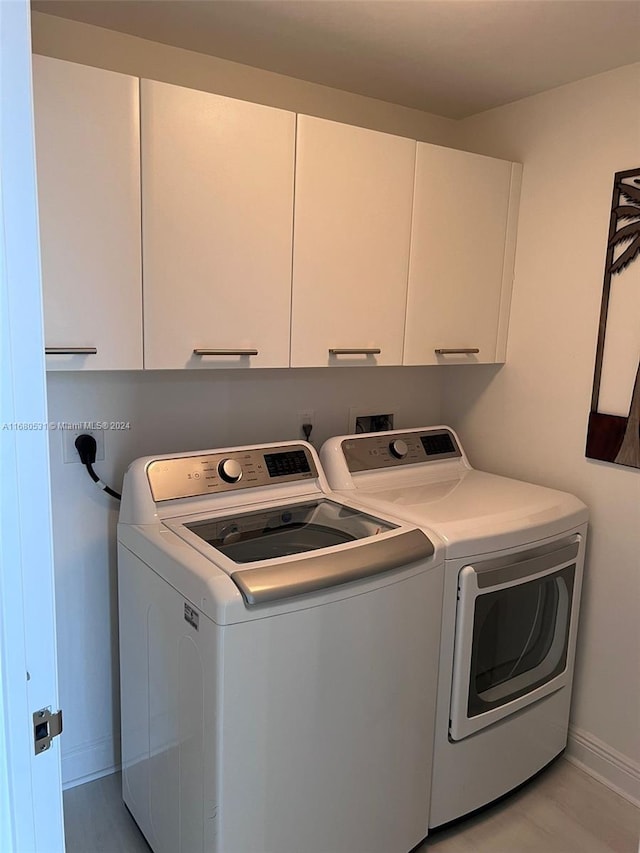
[230, 471]
[398, 448]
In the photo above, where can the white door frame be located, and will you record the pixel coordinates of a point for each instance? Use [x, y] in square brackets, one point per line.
[30, 785]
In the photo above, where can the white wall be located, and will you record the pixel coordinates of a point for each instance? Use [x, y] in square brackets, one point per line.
[103, 48]
[171, 411]
[529, 418]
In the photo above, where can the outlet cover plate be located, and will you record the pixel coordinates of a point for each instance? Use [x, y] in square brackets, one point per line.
[69, 451]
[306, 416]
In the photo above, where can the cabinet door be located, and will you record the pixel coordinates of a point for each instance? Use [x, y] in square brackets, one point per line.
[88, 163]
[217, 188]
[354, 190]
[462, 252]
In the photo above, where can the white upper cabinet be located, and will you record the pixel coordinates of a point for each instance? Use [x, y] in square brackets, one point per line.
[217, 210]
[397, 252]
[354, 191]
[88, 164]
[462, 255]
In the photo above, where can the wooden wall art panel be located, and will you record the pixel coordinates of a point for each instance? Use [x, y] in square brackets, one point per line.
[613, 433]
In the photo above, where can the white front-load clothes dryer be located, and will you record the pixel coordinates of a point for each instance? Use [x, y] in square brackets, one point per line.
[514, 556]
[279, 657]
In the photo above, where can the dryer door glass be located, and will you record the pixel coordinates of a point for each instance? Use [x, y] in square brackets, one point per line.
[520, 637]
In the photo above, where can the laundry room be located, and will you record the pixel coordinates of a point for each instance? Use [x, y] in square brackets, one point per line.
[522, 154]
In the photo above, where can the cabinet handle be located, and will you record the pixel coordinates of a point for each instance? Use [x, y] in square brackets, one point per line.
[371, 351]
[225, 352]
[70, 351]
[462, 351]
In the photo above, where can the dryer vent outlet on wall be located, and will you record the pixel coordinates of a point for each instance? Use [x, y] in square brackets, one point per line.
[371, 423]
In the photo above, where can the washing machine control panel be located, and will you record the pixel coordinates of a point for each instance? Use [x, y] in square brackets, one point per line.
[389, 450]
[212, 473]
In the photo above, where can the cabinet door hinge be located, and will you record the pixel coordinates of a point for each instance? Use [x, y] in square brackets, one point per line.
[46, 726]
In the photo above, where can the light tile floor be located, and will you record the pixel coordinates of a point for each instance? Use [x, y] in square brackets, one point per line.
[561, 811]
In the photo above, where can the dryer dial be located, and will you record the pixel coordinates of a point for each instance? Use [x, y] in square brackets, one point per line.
[230, 470]
[398, 448]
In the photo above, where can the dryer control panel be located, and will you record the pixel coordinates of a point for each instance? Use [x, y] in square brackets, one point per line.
[211, 473]
[390, 450]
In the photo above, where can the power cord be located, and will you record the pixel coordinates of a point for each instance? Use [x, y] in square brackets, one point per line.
[306, 430]
[86, 446]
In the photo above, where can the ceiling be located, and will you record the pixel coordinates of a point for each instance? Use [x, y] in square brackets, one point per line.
[453, 58]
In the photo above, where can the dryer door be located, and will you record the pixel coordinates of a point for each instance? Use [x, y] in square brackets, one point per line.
[512, 634]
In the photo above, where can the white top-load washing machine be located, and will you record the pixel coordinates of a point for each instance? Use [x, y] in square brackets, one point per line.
[279, 655]
[514, 555]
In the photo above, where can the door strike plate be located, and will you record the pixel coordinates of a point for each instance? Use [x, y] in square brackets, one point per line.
[46, 726]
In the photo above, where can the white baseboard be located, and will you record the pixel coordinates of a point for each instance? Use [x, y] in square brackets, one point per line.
[604, 763]
[89, 761]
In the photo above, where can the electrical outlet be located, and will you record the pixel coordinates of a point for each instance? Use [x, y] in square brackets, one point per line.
[305, 416]
[69, 451]
[361, 420]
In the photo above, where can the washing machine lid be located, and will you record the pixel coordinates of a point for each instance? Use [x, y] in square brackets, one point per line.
[277, 552]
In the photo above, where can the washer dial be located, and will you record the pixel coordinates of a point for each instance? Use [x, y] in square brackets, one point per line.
[398, 448]
[230, 470]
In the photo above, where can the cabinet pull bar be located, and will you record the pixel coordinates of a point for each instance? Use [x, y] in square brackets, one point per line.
[371, 351]
[225, 352]
[70, 351]
[462, 351]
